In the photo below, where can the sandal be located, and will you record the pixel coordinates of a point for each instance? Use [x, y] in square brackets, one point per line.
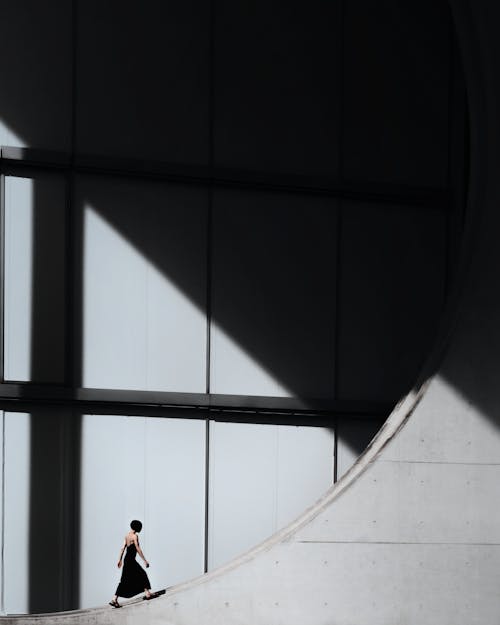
[114, 604]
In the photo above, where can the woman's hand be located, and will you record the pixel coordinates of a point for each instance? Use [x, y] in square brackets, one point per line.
[119, 565]
[147, 564]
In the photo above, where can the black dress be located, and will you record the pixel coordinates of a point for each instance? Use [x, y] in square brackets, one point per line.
[134, 578]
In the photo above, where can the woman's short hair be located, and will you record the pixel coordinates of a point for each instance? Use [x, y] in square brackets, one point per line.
[136, 525]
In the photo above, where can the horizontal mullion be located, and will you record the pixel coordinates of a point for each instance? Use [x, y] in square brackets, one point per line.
[186, 412]
[33, 157]
[25, 159]
[134, 402]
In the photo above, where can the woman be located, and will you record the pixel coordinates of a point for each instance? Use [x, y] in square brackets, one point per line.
[134, 578]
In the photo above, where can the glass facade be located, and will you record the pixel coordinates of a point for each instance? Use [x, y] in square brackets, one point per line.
[227, 234]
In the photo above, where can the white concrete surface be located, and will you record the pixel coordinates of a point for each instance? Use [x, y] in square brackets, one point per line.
[409, 535]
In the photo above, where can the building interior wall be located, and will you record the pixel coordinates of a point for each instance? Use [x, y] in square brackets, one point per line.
[209, 202]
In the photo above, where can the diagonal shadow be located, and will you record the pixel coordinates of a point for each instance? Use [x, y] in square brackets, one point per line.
[290, 278]
[290, 263]
[255, 276]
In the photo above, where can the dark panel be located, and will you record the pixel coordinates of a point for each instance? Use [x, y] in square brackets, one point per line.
[143, 79]
[393, 262]
[50, 567]
[48, 331]
[273, 292]
[35, 74]
[276, 93]
[353, 436]
[396, 75]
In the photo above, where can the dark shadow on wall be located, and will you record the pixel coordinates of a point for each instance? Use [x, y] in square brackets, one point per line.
[28, 85]
[54, 540]
[355, 434]
[55, 442]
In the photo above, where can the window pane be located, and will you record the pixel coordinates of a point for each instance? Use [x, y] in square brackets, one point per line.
[273, 294]
[17, 507]
[144, 286]
[35, 530]
[34, 279]
[158, 477]
[393, 262]
[261, 477]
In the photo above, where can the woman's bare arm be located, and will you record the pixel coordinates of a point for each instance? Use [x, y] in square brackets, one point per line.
[139, 550]
[122, 551]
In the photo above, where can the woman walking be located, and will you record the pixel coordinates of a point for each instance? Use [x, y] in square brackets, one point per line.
[134, 578]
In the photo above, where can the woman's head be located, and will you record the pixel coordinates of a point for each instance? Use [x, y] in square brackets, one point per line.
[136, 525]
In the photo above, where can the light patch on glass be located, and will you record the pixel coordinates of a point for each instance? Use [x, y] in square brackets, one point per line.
[16, 513]
[235, 372]
[19, 195]
[9, 137]
[140, 330]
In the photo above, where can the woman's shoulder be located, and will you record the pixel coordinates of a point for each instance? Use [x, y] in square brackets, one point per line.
[130, 538]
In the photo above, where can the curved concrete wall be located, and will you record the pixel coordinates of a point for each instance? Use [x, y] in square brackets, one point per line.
[411, 534]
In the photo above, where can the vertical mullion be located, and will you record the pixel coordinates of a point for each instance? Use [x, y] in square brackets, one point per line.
[456, 174]
[211, 107]
[340, 91]
[207, 489]
[70, 421]
[339, 207]
[208, 296]
[451, 204]
[338, 284]
[70, 377]
[63, 581]
[335, 448]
